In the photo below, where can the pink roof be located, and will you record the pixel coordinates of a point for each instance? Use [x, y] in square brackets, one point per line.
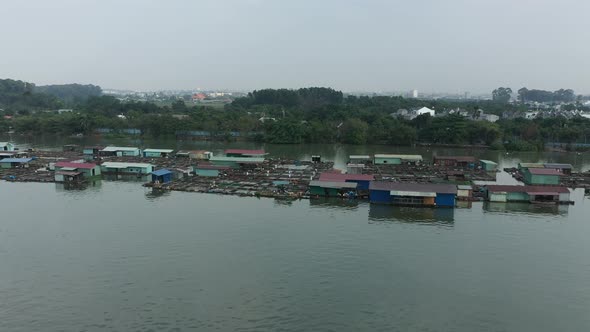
[329, 176]
[244, 151]
[544, 171]
[75, 165]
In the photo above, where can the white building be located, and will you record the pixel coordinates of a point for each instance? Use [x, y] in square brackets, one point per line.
[425, 110]
[414, 93]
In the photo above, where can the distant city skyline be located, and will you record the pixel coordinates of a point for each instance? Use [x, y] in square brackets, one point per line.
[452, 46]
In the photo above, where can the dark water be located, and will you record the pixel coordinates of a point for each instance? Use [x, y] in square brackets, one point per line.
[117, 257]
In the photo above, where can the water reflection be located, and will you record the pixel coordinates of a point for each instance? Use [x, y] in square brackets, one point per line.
[527, 208]
[383, 213]
[155, 193]
[126, 177]
[334, 203]
[70, 186]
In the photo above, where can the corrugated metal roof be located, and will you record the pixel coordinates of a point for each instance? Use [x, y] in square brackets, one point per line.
[525, 189]
[75, 165]
[416, 157]
[158, 150]
[16, 160]
[531, 165]
[412, 193]
[457, 158]
[161, 172]
[544, 171]
[420, 187]
[360, 157]
[543, 193]
[333, 184]
[217, 167]
[327, 176]
[119, 148]
[488, 162]
[110, 164]
[243, 160]
[558, 166]
[245, 152]
[464, 187]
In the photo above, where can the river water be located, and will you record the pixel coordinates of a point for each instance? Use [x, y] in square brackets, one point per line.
[117, 257]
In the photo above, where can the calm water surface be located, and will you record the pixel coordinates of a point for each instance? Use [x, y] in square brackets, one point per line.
[117, 257]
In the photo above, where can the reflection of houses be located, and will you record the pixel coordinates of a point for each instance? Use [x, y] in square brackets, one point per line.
[532, 194]
[381, 212]
[520, 207]
[157, 153]
[454, 161]
[396, 159]
[417, 194]
[6, 146]
[120, 151]
[126, 168]
[15, 162]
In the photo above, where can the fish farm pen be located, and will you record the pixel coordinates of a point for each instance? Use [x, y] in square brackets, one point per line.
[253, 173]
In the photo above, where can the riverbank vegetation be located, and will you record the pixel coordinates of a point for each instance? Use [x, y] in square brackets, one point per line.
[309, 115]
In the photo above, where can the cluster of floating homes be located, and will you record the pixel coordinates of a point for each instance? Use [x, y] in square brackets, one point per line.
[542, 180]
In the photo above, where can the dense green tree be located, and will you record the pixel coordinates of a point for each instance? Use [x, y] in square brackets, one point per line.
[502, 95]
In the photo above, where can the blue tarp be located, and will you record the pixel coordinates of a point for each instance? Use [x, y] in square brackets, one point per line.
[161, 172]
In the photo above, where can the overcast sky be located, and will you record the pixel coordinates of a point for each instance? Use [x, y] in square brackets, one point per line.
[364, 45]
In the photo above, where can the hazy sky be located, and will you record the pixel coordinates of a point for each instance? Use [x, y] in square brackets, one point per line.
[368, 45]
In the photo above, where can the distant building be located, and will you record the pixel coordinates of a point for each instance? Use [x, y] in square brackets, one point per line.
[414, 93]
[65, 110]
[6, 146]
[120, 151]
[199, 96]
[425, 110]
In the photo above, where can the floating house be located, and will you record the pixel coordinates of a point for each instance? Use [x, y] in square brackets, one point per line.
[412, 194]
[11, 154]
[6, 146]
[120, 151]
[522, 166]
[562, 168]
[162, 176]
[15, 162]
[541, 176]
[455, 161]
[85, 169]
[362, 180]
[396, 159]
[359, 159]
[331, 188]
[157, 153]
[126, 168]
[355, 168]
[91, 152]
[68, 176]
[194, 154]
[531, 194]
[209, 170]
[235, 162]
[488, 165]
[244, 153]
[464, 192]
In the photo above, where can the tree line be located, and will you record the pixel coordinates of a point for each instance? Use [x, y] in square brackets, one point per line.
[311, 115]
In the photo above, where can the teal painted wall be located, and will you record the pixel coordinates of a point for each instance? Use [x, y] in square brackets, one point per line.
[540, 179]
[517, 197]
